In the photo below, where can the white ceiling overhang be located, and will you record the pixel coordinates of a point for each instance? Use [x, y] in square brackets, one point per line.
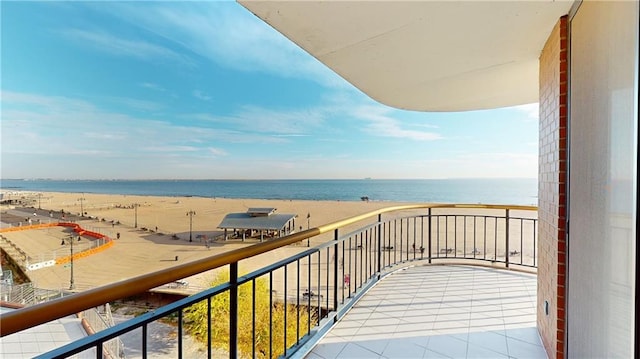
[424, 55]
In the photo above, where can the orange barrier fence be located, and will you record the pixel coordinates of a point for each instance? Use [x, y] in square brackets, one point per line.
[76, 228]
[88, 252]
[31, 226]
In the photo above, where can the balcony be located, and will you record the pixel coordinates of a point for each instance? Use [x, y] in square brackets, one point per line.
[381, 263]
[451, 311]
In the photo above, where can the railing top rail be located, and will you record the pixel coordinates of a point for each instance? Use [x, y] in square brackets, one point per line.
[28, 317]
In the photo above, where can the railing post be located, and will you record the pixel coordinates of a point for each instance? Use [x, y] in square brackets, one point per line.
[380, 239]
[429, 233]
[233, 310]
[336, 286]
[506, 228]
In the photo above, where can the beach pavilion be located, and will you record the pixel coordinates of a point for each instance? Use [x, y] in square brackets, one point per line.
[258, 222]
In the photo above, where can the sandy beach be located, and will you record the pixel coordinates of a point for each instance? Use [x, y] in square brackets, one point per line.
[162, 233]
[161, 238]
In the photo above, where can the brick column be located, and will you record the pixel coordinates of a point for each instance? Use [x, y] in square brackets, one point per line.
[552, 194]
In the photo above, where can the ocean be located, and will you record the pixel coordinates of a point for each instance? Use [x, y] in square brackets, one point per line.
[488, 191]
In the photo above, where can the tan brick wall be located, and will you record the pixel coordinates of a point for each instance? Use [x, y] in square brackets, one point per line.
[552, 189]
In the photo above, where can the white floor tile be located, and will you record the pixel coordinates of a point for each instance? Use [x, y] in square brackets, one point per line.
[355, 351]
[448, 345]
[523, 350]
[440, 312]
[376, 345]
[495, 341]
[529, 335]
[478, 352]
[403, 349]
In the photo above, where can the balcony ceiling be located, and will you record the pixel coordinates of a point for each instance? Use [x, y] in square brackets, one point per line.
[424, 55]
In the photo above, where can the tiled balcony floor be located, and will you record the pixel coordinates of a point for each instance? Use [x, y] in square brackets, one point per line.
[440, 311]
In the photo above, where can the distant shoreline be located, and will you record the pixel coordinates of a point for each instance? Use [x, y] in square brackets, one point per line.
[497, 191]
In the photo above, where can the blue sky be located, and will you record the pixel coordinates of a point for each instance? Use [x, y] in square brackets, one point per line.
[149, 90]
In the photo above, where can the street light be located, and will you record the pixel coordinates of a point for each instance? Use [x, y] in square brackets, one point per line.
[135, 213]
[308, 226]
[191, 214]
[81, 199]
[39, 198]
[70, 242]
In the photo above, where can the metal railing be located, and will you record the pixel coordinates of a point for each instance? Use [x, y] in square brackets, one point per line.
[26, 294]
[314, 287]
[64, 252]
[99, 320]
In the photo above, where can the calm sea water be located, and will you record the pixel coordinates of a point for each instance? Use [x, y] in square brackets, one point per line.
[503, 191]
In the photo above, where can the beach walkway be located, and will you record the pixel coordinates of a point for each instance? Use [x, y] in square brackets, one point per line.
[135, 253]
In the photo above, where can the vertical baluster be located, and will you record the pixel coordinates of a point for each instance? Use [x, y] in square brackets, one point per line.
[438, 235]
[180, 349]
[389, 246]
[380, 240]
[484, 236]
[421, 237]
[429, 232]
[506, 230]
[495, 238]
[297, 302]
[309, 296]
[319, 286]
[521, 240]
[285, 309]
[209, 327]
[455, 236]
[144, 341]
[395, 242]
[365, 249]
[401, 232]
[270, 314]
[344, 269]
[233, 310]
[446, 235]
[253, 317]
[534, 242]
[335, 274]
[464, 236]
[328, 274]
[359, 268]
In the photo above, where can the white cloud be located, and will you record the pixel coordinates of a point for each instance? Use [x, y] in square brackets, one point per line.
[171, 149]
[275, 123]
[381, 124]
[44, 125]
[152, 86]
[135, 104]
[142, 50]
[217, 152]
[530, 110]
[201, 95]
[228, 35]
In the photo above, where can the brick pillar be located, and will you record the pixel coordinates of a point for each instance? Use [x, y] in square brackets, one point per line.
[552, 194]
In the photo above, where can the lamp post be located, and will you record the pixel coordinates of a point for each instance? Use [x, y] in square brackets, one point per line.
[135, 214]
[81, 199]
[308, 226]
[191, 214]
[70, 241]
[39, 200]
